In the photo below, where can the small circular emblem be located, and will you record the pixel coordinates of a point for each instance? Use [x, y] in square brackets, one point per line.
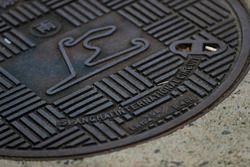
[45, 28]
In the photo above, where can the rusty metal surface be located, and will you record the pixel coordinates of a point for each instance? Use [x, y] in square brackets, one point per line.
[82, 77]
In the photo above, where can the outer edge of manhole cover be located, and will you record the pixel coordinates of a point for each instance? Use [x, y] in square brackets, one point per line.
[64, 92]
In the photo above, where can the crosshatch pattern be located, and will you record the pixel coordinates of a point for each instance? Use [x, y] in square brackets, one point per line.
[32, 122]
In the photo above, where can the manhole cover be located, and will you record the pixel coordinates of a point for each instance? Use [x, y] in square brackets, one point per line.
[79, 77]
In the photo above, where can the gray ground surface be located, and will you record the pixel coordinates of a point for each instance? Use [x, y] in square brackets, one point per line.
[219, 139]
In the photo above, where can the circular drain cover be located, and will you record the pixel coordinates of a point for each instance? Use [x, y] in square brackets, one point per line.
[79, 77]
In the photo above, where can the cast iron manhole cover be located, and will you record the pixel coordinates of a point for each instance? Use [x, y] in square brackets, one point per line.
[79, 77]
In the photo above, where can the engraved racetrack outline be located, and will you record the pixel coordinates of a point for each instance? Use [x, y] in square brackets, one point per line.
[139, 45]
